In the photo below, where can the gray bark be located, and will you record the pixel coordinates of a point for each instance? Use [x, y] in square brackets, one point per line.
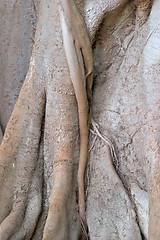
[125, 106]
[17, 28]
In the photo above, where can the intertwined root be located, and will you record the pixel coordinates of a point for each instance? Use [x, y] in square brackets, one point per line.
[80, 62]
[20, 147]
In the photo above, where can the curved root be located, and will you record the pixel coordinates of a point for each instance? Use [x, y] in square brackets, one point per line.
[80, 62]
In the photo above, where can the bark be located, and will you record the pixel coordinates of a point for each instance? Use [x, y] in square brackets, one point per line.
[45, 86]
[1, 134]
[39, 154]
[80, 62]
[151, 65]
[17, 27]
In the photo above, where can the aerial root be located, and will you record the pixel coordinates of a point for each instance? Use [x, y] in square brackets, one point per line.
[94, 140]
[84, 228]
[104, 138]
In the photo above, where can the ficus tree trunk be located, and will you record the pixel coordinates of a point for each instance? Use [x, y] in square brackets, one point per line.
[53, 123]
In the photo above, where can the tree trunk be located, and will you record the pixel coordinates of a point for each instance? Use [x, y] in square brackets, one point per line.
[41, 176]
[17, 27]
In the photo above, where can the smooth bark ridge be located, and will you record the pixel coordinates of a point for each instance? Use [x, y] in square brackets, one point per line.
[141, 200]
[19, 153]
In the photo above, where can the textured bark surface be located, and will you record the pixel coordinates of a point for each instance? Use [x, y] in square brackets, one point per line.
[17, 27]
[39, 153]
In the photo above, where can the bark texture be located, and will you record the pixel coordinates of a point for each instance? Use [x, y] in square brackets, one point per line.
[17, 27]
[39, 154]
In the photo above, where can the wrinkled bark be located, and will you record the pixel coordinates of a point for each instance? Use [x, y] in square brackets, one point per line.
[39, 153]
[59, 137]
